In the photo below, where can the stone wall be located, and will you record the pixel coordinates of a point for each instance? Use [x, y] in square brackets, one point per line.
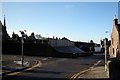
[114, 42]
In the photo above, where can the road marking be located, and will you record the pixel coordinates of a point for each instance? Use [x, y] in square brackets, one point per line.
[15, 73]
[97, 63]
[37, 65]
[75, 76]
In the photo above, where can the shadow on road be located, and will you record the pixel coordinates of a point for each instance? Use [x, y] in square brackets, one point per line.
[42, 71]
[40, 78]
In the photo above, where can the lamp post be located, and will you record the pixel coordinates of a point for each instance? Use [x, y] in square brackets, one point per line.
[22, 57]
[106, 46]
[22, 41]
[105, 43]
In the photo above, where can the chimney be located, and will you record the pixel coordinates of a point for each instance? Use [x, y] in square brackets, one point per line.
[115, 21]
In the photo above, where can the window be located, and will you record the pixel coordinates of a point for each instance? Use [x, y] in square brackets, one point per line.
[113, 51]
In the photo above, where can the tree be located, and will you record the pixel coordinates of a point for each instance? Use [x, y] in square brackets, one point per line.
[91, 41]
[32, 36]
[15, 37]
[23, 34]
[38, 36]
[92, 48]
[86, 49]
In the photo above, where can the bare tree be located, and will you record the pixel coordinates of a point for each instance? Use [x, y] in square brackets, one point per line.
[38, 36]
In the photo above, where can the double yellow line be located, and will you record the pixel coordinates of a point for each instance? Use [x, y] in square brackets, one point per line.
[75, 76]
[15, 73]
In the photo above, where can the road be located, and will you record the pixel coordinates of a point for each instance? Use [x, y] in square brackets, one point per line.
[62, 68]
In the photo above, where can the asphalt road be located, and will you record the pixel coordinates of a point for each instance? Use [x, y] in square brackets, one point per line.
[58, 68]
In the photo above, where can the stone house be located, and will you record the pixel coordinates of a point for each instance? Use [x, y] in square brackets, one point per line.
[115, 40]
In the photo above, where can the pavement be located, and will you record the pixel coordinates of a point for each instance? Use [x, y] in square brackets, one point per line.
[13, 63]
[10, 66]
[95, 73]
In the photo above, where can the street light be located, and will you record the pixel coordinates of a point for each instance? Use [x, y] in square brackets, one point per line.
[105, 43]
[106, 46]
[22, 57]
[22, 41]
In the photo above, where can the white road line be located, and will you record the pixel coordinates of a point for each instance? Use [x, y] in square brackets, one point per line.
[97, 63]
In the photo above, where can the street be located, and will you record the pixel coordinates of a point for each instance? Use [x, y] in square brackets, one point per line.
[54, 68]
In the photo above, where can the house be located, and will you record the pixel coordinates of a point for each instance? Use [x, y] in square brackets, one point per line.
[115, 40]
[97, 48]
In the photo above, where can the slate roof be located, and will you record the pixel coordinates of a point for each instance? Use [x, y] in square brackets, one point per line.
[118, 27]
[68, 49]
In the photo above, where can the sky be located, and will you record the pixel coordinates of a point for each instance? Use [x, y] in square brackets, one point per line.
[77, 21]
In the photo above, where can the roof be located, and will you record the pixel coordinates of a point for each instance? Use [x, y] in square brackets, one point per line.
[69, 49]
[118, 27]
